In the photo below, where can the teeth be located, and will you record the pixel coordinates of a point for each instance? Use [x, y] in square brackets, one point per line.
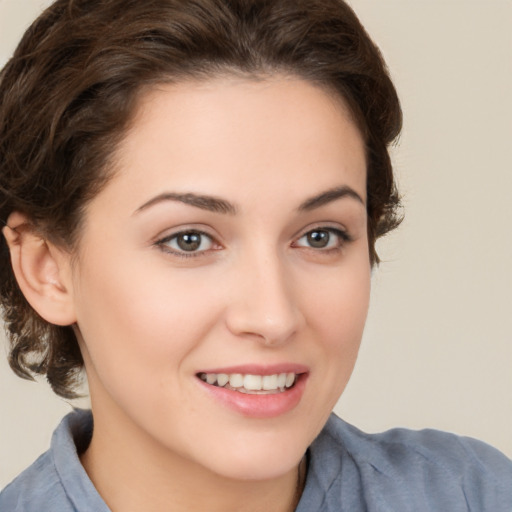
[251, 383]
[269, 382]
[236, 380]
[222, 379]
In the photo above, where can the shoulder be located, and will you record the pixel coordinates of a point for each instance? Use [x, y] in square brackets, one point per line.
[414, 470]
[56, 481]
[39, 485]
[397, 448]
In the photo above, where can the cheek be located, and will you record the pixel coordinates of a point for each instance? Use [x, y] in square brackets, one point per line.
[138, 330]
[338, 301]
[337, 316]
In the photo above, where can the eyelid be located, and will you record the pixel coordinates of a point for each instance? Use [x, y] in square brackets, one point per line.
[161, 242]
[325, 225]
[342, 233]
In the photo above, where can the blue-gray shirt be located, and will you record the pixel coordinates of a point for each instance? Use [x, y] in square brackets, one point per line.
[349, 471]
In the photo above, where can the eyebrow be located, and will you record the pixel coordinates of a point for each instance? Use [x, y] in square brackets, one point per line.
[218, 205]
[210, 203]
[328, 196]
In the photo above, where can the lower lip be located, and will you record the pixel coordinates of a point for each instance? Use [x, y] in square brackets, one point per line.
[259, 406]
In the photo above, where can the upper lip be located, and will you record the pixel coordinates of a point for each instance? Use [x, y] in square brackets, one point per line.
[258, 369]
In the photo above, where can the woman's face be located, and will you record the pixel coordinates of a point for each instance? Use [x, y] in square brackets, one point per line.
[231, 242]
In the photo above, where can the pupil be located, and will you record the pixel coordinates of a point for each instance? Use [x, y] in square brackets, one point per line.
[189, 241]
[318, 239]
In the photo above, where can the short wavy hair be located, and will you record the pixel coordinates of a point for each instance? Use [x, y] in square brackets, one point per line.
[68, 93]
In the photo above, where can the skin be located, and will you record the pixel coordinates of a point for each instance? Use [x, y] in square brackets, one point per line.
[148, 318]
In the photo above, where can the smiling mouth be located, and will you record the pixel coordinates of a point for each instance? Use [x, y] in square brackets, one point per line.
[251, 384]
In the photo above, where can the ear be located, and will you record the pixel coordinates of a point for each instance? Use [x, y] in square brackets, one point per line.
[42, 270]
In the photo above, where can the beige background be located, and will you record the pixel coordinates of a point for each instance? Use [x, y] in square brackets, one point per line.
[437, 350]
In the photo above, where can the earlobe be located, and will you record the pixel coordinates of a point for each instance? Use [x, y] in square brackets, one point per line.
[42, 271]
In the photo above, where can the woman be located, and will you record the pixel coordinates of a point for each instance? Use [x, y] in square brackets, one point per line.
[191, 204]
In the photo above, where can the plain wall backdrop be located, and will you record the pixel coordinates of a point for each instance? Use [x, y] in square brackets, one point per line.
[437, 351]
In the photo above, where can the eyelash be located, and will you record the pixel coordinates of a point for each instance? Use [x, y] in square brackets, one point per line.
[342, 235]
[343, 238]
[162, 243]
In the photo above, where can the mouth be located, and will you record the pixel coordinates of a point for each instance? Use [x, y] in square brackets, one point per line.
[251, 384]
[256, 391]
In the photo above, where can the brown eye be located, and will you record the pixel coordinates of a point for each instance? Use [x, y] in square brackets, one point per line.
[318, 239]
[187, 242]
[323, 238]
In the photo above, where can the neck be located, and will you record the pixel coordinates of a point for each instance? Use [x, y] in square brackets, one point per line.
[131, 474]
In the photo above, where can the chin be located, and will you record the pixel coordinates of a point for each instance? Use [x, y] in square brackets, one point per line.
[257, 460]
[251, 470]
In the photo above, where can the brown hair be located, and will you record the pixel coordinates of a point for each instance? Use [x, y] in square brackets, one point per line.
[68, 93]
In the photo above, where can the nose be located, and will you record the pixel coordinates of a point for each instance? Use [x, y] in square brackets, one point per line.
[263, 303]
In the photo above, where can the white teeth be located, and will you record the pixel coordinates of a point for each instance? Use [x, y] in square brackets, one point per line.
[248, 383]
[236, 380]
[269, 382]
[281, 380]
[252, 382]
[222, 379]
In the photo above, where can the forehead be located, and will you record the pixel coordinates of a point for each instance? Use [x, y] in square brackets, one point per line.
[244, 132]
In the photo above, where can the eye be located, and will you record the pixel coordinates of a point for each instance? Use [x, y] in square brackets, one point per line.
[323, 238]
[187, 243]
